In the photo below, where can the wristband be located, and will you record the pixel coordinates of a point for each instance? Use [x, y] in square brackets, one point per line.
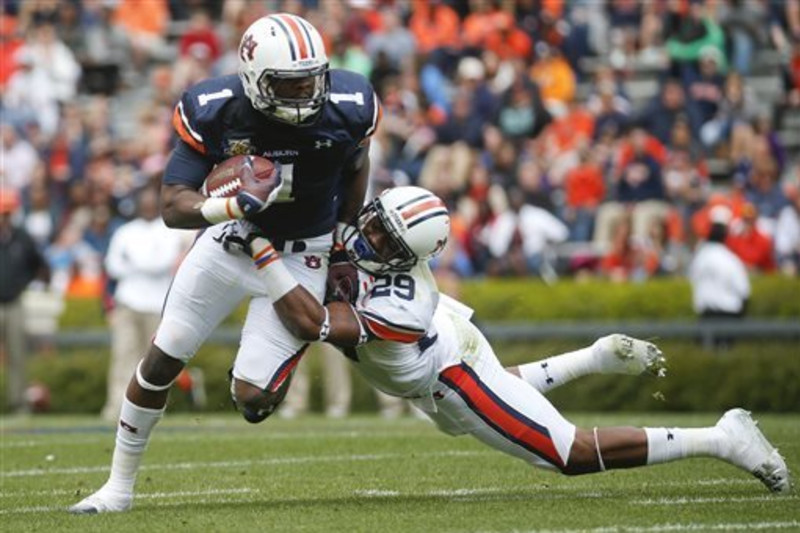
[363, 336]
[216, 210]
[339, 234]
[277, 278]
[325, 327]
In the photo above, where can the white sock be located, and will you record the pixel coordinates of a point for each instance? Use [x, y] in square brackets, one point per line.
[547, 374]
[670, 444]
[133, 433]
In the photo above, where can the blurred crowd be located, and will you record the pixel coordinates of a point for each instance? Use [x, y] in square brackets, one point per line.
[569, 137]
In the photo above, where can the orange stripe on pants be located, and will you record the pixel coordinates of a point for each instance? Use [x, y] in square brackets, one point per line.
[503, 418]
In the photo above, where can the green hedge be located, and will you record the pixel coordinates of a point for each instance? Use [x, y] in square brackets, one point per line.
[530, 299]
[668, 298]
[760, 376]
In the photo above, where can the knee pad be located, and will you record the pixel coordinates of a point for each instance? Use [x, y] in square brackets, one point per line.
[258, 405]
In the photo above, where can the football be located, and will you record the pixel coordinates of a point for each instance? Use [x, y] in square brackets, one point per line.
[225, 179]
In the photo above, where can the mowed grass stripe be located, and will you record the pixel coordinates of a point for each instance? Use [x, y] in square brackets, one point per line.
[277, 461]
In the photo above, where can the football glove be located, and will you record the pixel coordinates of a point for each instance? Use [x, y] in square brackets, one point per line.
[256, 195]
[342, 282]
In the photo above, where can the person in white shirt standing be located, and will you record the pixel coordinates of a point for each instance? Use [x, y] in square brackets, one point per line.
[142, 258]
[720, 286]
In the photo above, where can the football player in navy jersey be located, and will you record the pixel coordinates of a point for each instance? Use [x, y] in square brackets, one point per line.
[410, 341]
[315, 123]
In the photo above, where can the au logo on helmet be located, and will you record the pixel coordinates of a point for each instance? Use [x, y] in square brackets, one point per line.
[248, 47]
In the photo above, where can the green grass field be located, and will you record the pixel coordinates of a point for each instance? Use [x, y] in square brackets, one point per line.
[218, 473]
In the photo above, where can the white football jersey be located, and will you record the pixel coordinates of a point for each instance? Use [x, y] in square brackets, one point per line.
[408, 346]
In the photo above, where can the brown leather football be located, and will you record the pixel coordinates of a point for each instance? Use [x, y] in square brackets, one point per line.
[226, 179]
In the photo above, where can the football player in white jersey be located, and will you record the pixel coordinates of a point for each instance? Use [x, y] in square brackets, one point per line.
[409, 340]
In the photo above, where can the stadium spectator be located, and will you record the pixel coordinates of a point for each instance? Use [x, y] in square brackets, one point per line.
[146, 29]
[40, 220]
[787, 235]
[689, 30]
[585, 189]
[659, 116]
[744, 24]
[141, 258]
[30, 97]
[393, 40]
[521, 113]
[21, 162]
[10, 43]
[519, 236]
[553, 75]
[22, 264]
[750, 244]
[720, 285]
[737, 110]
[435, 26]
[704, 88]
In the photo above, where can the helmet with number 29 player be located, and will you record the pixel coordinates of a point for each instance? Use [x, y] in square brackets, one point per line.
[397, 230]
[284, 68]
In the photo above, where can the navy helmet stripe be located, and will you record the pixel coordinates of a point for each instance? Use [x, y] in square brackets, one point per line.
[288, 36]
[440, 213]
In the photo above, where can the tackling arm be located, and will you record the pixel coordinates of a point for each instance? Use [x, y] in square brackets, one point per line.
[301, 313]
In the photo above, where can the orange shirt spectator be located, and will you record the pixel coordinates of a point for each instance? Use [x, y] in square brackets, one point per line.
[9, 44]
[752, 246]
[585, 186]
[151, 19]
[567, 131]
[553, 74]
[701, 220]
[509, 42]
[434, 25]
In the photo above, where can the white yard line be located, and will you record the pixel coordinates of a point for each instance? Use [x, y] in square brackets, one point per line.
[691, 526]
[233, 464]
[166, 436]
[718, 499]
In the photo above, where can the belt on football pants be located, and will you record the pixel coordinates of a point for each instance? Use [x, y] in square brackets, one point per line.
[287, 246]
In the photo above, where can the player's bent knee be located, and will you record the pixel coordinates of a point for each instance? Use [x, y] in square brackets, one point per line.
[582, 456]
[256, 404]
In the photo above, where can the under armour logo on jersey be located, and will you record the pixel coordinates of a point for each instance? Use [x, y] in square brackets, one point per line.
[313, 261]
[326, 143]
[246, 50]
[670, 436]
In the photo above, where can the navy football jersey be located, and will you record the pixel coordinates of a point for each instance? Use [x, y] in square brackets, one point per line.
[216, 119]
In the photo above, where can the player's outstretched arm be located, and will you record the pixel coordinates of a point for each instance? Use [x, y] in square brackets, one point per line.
[301, 313]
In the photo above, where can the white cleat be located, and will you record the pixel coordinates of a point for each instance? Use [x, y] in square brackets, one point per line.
[621, 354]
[750, 450]
[103, 501]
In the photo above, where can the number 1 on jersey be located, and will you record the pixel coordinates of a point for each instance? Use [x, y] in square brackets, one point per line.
[286, 192]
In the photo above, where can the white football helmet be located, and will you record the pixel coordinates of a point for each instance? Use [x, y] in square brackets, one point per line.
[416, 222]
[277, 52]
